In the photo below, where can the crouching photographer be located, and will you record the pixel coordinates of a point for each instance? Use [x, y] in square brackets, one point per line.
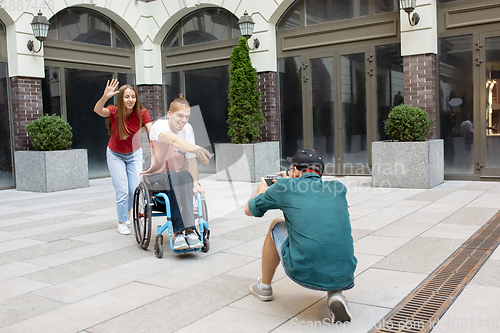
[313, 241]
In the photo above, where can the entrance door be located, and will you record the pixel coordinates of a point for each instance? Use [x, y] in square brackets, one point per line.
[489, 131]
[336, 101]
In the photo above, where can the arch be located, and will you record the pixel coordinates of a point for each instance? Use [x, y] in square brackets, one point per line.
[278, 13]
[115, 17]
[178, 16]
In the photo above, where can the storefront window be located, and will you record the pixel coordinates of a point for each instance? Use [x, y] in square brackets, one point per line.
[290, 105]
[51, 91]
[6, 175]
[390, 83]
[171, 87]
[456, 102]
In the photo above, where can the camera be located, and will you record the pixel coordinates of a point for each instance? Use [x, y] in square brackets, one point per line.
[269, 179]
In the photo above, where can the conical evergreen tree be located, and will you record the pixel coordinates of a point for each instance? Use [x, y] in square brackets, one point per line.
[244, 112]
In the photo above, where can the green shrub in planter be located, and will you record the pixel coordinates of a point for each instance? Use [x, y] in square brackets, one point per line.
[50, 132]
[407, 123]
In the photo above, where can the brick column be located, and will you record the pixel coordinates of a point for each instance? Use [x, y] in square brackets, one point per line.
[420, 81]
[27, 105]
[151, 98]
[267, 86]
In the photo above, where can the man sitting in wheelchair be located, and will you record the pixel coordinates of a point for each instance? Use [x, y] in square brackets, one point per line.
[174, 170]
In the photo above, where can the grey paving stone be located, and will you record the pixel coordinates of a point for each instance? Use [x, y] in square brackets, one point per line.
[180, 309]
[420, 255]
[16, 309]
[87, 266]
[39, 250]
[75, 231]
[91, 311]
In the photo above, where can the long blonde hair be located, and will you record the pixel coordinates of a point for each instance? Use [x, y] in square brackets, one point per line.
[123, 132]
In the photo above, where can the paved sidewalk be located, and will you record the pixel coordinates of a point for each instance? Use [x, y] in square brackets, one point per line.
[64, 268]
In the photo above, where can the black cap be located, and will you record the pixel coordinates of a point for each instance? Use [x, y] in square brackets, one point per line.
[306, 157]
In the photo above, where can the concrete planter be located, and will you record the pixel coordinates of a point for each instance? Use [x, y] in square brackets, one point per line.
[50, 171]
[246, 162]
[408, 164]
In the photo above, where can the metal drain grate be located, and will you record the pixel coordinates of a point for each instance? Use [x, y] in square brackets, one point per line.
[422, 308]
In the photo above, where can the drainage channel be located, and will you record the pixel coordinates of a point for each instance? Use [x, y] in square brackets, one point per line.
[421, 310]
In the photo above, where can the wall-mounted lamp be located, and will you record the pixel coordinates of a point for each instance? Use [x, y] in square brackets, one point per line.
[40, 27]
[246, 25]
[409, 6]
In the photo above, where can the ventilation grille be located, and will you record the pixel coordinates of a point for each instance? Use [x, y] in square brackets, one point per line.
[421, 309]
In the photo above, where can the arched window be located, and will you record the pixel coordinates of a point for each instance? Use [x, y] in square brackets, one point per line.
[87, 26]
[201, 26]
[322, 11]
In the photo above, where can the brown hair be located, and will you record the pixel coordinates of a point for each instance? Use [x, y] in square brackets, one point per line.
[120, 112]
[179, 100]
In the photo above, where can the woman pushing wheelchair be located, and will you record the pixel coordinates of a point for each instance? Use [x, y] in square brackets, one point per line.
[174, 170]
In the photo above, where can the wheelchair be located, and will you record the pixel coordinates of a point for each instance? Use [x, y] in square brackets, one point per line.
[149, 204]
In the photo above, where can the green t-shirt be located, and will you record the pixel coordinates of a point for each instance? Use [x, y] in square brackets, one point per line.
[319, 251]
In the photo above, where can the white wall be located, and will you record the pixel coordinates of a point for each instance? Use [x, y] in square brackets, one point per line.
[146, 24]
[421, 38]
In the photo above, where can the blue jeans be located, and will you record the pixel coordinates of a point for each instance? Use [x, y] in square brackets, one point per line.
[124, 170]
[279, 235]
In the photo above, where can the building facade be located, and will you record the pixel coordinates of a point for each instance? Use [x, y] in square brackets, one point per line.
[329, 72]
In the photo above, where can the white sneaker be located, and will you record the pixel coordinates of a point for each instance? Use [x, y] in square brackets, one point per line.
[339, 309]
[123, 229]
[129, 217]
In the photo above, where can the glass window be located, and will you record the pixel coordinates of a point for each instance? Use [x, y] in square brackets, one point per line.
[52, 27]
[322, 110]
[385, 6]
[204, 26]
[2, 26]
[207, 88]
[235, 29]
[353, 78]
[320, 11]
[83, 90]
[6, 174]
[172, 39]
[390, 83]
[456, 102]
[85, 26]
[171, 87]
[121, 39]
[51, 91]
[290, 106]
[291, 18]
[492, 46]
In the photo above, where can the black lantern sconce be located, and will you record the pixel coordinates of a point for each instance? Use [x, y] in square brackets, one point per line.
[246, 25]
[409, 6]
[40, 26]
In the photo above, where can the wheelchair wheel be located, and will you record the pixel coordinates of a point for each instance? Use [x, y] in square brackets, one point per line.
[142, 216]
[159, 246]
[206, 240]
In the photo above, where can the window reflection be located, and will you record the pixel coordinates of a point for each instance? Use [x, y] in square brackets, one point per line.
[205, 26]
[80, 25]
[291, 18]
[320, 11]
[51, 91]
[290, 105]
[6, 175]
[390, 83]
[456, 103]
